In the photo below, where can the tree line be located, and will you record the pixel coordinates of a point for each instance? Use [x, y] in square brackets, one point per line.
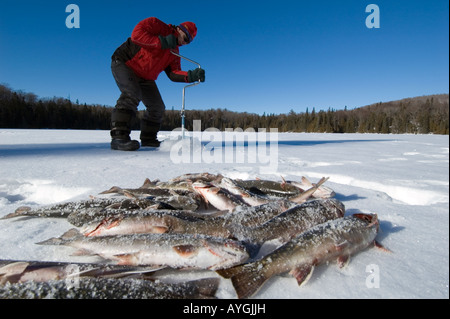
[420, 115]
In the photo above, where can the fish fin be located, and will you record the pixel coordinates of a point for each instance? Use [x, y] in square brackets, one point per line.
[14, 268]
[343, 261]
[129, 194]
[326, 192]
[306, 181]
[71, 233]
[309, 192]
[147, 182]
[247, 279]
[51, 241]
[114, 189]
[381, 247]
[159, 229]
[21, 211]
[321, 182]
[283, 183]
[302, 273]
[185, 251]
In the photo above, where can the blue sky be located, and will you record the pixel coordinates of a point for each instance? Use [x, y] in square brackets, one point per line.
[259, 56]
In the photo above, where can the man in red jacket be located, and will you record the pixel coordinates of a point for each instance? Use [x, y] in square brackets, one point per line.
[136, 65]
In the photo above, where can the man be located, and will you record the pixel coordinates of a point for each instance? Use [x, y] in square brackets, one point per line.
[136, 65]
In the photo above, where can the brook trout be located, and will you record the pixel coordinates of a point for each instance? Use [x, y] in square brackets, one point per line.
[333, 240]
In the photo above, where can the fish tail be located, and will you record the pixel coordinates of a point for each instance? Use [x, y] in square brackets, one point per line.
[246, 279]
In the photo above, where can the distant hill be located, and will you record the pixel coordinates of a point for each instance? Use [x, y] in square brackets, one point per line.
[418, 115]
[442, 99]
[421, 114]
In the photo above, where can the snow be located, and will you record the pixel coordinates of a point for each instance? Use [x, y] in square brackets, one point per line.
[402, 178]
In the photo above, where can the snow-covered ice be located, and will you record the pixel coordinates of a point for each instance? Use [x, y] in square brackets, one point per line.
[402, 178]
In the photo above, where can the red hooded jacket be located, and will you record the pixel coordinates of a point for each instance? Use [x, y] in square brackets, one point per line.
[143, 54]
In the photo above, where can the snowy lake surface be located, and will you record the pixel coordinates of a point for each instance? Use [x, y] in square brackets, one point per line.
[402, 178]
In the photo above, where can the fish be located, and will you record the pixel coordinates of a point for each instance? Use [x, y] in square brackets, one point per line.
[254, 216]
[269, 189]
[284, 189]
[62, 210]
[218, 224]
[291, 222]
[232, 195]
[97, 205]
[157, 222]
[304, 196]
[111, 288]
[333, 240]
[12, 271]
[97, 215]
[164, 197]
[218, 197]
[196, 177]
[244, 195]
[152, 189]
[164, 250]
[321, 192]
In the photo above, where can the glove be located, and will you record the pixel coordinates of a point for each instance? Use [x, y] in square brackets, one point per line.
[168, 42]
[196, 75]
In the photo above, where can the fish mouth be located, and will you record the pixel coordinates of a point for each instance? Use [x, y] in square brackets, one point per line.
[371, 219]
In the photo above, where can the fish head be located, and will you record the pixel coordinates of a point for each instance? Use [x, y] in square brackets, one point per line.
[203, 189]
[335, 205]
[370, 219]
[231, 252]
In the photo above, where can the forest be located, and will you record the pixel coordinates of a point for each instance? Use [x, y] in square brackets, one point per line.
[417, 115]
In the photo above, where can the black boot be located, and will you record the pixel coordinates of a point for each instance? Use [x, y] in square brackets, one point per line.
[150, 141]
[120, 131]
[124, 145]
[149, 132]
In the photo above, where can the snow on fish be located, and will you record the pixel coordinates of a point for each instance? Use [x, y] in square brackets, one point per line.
[292, 222]
[110, 288]
[218, 197]
[65, 209]
[169, 250]
[334, 240]
[229, 195]
[163, 224]
[13, 271]
[157, 222]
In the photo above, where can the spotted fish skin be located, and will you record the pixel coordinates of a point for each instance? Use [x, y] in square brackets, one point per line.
[109, 288]
[334, 240]
[292, 222]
